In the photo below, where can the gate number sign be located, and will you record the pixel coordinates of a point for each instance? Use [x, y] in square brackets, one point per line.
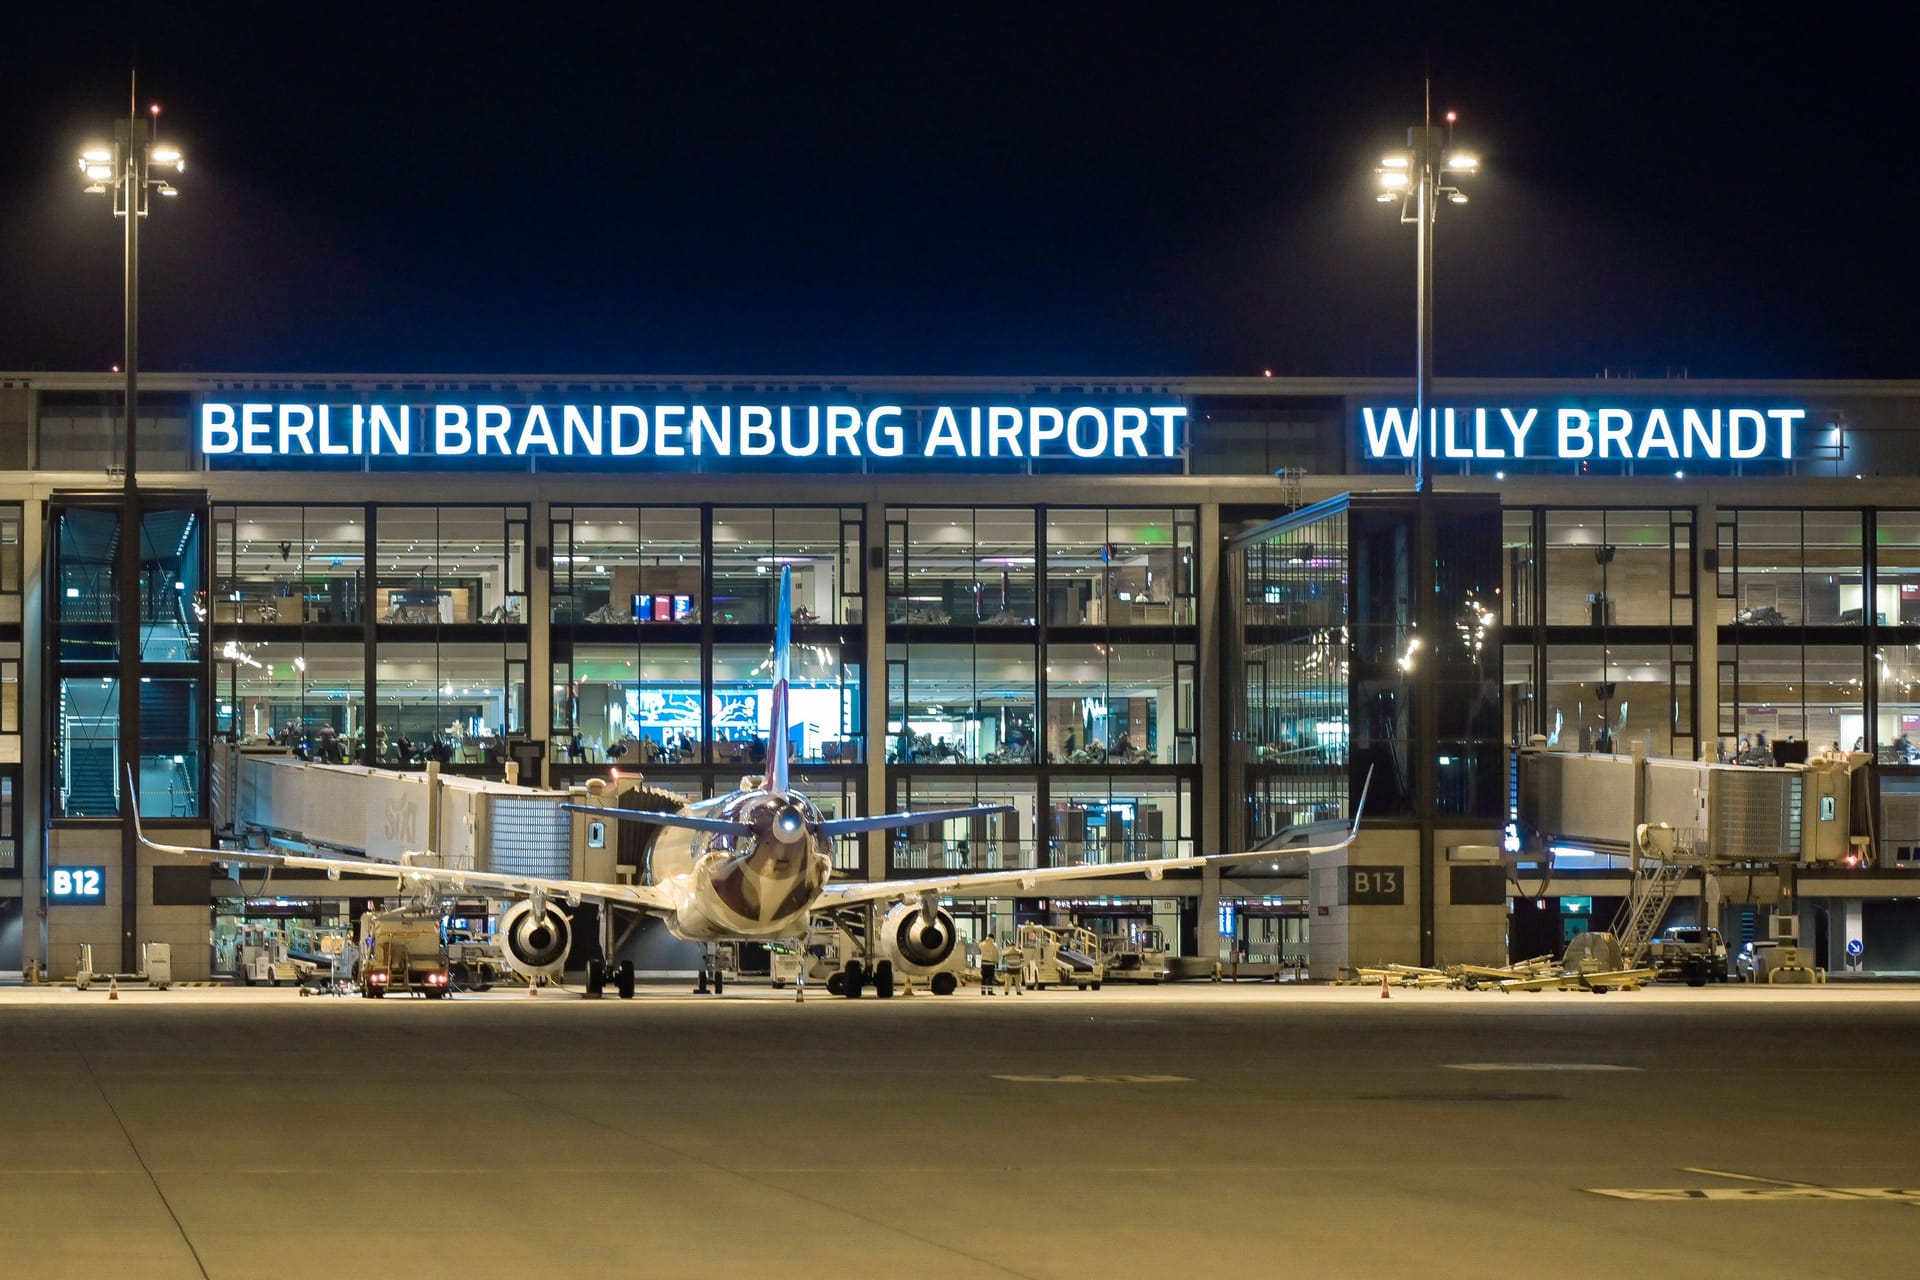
[1375, 887]
[76, 884]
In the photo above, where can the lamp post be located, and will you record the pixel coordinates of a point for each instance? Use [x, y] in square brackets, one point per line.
[127, 168]
[1419, 177]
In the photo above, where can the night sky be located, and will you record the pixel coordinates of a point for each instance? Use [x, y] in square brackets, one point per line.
[967, 189]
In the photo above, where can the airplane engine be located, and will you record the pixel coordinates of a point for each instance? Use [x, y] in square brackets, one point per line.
[913, 940]
[534, 946]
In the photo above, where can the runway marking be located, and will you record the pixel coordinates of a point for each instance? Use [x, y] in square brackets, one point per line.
[1104, 1078]
[1774, 1190]
[1536, 1066]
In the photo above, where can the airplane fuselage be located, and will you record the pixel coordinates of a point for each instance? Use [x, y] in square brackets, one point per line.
[757, 886]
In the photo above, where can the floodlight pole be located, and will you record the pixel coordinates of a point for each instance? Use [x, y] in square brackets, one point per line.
[1420, 141]
[132, 199]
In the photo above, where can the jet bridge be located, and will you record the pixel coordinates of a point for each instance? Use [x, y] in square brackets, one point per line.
[458, 823]
[1675, 820]
[1729, 814]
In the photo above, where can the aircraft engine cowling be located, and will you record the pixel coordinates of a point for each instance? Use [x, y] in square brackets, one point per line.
[534, 946]
[916, 941]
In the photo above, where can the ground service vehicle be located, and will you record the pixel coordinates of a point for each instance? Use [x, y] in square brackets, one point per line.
[1754, 959]
[1689, 953]
[403, 950]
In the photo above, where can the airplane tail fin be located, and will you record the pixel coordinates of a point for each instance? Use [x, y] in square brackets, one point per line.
[777, 745]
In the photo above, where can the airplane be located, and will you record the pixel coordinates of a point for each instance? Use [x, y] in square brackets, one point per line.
[752, 865]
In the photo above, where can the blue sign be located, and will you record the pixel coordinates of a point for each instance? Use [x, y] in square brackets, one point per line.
[1516, 434]
[1855, 946]
[83, 885]
[631, 434]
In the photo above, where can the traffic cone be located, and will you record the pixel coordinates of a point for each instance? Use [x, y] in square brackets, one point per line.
[113, 988]
[908, 990]
[533, 986]
[799, 993]
[1384, 993]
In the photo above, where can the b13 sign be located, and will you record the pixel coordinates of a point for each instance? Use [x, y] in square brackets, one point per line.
[1532, 433]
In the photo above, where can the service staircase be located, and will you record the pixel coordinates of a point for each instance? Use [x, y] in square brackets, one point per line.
[91, 792]
[1652, 892]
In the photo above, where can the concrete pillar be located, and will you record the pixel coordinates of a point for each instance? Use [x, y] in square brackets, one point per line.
[1207, 940]
[1706, 629]
[539, 636]
[1850, 919]
[874, 658]
[1213, 833]
[35, 743]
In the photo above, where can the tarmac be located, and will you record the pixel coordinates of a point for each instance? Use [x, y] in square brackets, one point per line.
[1258, 1129]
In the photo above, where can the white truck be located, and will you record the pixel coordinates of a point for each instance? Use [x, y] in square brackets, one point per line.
[1689, 953]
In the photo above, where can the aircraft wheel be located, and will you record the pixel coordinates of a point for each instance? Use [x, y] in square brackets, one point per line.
[883, 980]
[719, 982]
[596, 977]
[855, 978]
[944, 984]
[623, 979]
[836, 984]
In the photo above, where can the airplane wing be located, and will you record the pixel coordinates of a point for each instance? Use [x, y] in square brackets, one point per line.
[843, 893]
[889, 821]
[490, 884]
[665, 818]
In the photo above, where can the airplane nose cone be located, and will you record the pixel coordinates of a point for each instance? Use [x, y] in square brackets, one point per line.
[789, 826]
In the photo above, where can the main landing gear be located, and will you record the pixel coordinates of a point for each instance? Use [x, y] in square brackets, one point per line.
[853, 980]
[599, 973]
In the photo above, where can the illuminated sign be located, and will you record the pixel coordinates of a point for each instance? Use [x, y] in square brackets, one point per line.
[77, 884]
[291, 430]
[1575, 434]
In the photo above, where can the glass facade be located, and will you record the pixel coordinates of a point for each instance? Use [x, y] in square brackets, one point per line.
[962, 566]
[1288, 680]
[171, 624]
[1332, 679]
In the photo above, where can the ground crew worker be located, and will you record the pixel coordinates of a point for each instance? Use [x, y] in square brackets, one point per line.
[1016, 964]
[989, 962]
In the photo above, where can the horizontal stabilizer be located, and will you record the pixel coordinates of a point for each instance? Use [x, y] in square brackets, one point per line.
[686, 822]
[889, 821]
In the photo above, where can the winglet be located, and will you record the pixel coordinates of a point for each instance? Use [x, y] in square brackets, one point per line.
[777, 704]
[133, 806]
[1360, 805]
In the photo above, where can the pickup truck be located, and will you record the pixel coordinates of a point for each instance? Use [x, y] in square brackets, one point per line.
[1691, 954]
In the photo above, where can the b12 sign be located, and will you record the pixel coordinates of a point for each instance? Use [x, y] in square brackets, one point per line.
[77, 884]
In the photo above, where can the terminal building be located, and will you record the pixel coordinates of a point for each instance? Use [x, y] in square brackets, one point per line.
[1156, 617]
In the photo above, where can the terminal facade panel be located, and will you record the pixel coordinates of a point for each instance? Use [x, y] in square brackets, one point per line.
[1155, 618]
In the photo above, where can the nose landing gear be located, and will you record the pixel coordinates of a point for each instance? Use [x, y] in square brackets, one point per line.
[599, 973]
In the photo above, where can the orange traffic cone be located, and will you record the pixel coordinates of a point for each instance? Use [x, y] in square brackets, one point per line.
[533, 986]
[1384, 993]
[113, 988]
[908, 989]
[799, 993]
